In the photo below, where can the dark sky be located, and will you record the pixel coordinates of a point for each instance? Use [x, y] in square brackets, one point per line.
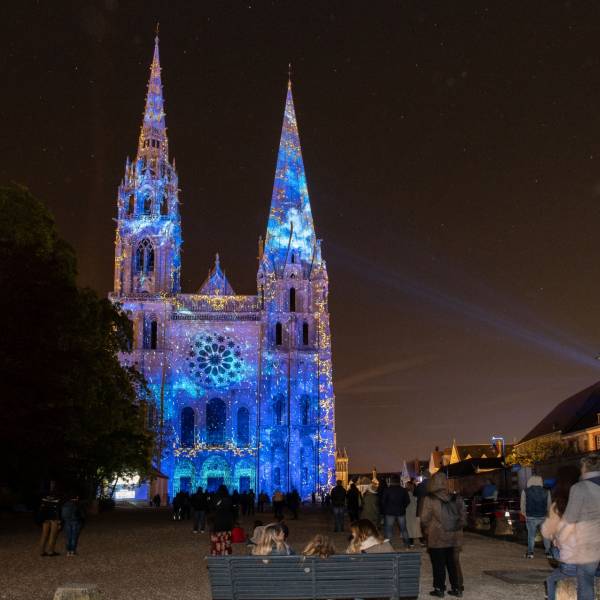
[452, 152]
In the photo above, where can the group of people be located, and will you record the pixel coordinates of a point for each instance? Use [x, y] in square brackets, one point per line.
[569, 521]
[442, 518]
[382, 504]
[55, 515]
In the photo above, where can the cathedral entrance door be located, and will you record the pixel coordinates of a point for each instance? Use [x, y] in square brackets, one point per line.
[213, 483]
[185, 484]
[244, 484]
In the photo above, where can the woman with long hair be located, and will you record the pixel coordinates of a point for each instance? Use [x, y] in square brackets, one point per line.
[222, 523]
[553, 528]
[272, 542]
[367, 539]
[320, 546]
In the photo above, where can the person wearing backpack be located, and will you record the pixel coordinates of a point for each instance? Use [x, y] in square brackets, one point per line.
[535, 505]
[443, 517]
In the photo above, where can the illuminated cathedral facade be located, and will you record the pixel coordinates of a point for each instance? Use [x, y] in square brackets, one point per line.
[242, 384]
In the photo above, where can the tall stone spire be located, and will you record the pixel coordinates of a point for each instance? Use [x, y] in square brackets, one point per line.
[153, 141]
[290, 228]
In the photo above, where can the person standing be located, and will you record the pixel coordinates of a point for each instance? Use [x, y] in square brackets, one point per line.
[220, 537]
[443, 517]
[353, 502]
[294, 503]
[393, 506]
[554, 528]
[199, 502]
[338, 503]
[278, 502]
[251, 498]
[73, 518]
[535, 505]
[582, 521]
[421, 491]
[370, 504]
[413, 523]
[262, 499]
[49, 517]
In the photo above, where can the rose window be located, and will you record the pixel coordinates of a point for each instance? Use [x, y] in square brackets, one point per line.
[216, 360]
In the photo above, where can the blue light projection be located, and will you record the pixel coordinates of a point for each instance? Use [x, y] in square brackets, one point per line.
[243, 383]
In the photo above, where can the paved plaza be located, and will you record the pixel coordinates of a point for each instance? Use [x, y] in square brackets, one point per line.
[143, 554]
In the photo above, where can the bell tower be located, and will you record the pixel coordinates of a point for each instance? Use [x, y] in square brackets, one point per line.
[148, 237]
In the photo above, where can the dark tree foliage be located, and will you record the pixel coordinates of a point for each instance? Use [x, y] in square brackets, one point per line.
[69, 411]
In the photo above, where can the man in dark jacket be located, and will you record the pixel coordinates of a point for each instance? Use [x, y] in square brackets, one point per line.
[199, 502]
[338, 502]
[353, 501]
[535, 504]
[394, 501]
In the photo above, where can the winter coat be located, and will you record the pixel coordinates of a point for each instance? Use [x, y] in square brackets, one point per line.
[563, 537]
[413, 523]
[582, 519]
[431, 516]
[394, 500]
[223, 515]
[374, 546]
[370, 506]
[535, 500]
[338, 496]
[353, 498]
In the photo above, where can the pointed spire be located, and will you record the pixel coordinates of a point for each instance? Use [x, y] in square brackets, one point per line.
[216, 284]
[153, 135]
[290, 225]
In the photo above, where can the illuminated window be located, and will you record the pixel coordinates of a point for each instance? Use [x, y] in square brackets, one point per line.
[164, 206]
[131, 205]
[215, 421]
[187, 427]
[292, 299]
[278, 334]
[277, 476]
[305, 410]
[243, 426]
[144, 257]
[278, 410]
[147, 204]
[598, 442]
[153, 334]
[305, 333]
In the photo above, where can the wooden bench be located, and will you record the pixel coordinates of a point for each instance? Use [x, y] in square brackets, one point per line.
[393, 575]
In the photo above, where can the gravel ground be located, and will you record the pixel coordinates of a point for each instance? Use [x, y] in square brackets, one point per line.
[143, 554]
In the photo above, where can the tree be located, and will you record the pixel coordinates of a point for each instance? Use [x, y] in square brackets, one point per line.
[70, 411]
[537, 451]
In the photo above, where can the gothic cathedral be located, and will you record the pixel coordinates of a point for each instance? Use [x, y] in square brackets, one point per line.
[242, 384]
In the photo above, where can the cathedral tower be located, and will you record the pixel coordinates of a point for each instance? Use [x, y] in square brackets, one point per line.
[293, 289]
[148, 239]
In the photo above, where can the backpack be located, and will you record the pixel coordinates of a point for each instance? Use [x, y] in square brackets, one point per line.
[451, 519]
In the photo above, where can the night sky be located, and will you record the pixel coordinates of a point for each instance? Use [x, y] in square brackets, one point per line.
[452, 152]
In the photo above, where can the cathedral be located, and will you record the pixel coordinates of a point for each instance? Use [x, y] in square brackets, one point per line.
[241, 384]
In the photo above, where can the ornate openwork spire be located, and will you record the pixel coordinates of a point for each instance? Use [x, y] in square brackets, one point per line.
[290, 227]
[153, 135]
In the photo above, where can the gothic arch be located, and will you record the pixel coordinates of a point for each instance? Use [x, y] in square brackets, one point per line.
[214, 472]
[144, 257]
[188, 427]
[216, 416]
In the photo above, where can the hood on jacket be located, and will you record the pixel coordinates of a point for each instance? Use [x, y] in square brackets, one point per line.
[438, 486]
[535, 480]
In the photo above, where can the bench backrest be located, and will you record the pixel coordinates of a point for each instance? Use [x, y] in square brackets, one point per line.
[393, 575]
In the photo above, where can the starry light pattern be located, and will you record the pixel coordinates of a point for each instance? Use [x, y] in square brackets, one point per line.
[238, 406]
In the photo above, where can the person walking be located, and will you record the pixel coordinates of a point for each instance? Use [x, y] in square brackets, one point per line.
[442, 518]
[220, 537]
[535, 504]
[338, 503]
[393, 507]
[582, 521]
[353, 502]
[73, 517]
[49, 515]
[370, 504]
[199, 503]
[413, 523]
[554, 528]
